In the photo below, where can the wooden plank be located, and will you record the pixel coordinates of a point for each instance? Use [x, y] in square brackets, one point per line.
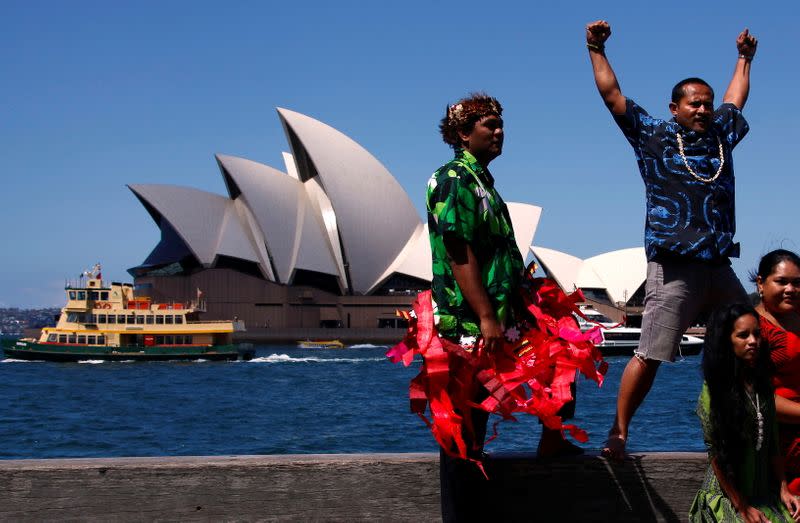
[336, 487]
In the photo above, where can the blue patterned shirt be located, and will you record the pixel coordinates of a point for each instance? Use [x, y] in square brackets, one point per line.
[686, 217]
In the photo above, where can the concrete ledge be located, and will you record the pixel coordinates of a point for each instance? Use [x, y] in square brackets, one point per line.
[342, 487]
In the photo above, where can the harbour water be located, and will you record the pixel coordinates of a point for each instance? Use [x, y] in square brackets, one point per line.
[285, 401]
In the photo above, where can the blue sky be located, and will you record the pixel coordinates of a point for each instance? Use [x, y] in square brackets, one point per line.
[96, 95]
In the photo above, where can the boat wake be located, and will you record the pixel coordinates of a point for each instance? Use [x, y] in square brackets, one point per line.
[367, 346]
[13, 360]
[285, 358]
[91, 362]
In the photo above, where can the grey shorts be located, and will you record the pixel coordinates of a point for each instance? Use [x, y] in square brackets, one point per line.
[676, 292]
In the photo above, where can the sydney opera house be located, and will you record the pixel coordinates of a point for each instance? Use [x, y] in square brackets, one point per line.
[332, 241]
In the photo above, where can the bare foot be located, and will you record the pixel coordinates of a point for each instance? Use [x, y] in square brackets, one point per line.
[615, 447]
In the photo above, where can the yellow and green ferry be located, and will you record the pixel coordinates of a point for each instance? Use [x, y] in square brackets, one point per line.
[108, 322]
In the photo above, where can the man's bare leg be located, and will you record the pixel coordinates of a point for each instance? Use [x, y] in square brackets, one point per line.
[637, 379]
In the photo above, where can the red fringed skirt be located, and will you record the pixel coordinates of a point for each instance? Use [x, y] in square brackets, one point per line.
[532, 373]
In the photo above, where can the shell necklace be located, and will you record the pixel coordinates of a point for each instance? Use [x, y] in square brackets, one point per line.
[694, 174]
[759, 418]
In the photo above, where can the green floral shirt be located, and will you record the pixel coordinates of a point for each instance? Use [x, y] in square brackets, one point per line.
[463, 202]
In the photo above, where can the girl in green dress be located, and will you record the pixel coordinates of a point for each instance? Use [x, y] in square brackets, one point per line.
[744, 481]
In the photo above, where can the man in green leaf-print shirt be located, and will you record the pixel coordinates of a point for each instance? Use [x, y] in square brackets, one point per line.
[477, 269]
[477, 274]
[477, 266]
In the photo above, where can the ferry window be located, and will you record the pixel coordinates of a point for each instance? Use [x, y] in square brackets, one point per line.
[187, 340]
[72, 317]
[131, 319]
[168, 340]
[178, 319]
[104, 295]
[62, 338]
[159, 340]
[92, 340]
[82, 339]
[92, 295]
[159, 320]
[139, 320]
[120, 318]
[81, 317]
[150, 320]
[101, 340]
[91, 318]
[72, 295]
[52, 338]
[101, 318]
[81, 295]
[168, 319]
[112, 318]
[71, 338]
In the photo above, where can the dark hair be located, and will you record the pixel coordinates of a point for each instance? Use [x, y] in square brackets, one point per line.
[725, 376]
[462, 116]
[771, 260]
[679, 92]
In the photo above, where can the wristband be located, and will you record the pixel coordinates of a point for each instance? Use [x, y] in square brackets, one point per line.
[595, 47]
[748, 57]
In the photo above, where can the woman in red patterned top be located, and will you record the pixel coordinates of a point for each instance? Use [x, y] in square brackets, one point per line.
[778, 282]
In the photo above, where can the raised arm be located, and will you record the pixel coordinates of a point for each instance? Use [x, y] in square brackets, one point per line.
[596, 35]
[739, 87]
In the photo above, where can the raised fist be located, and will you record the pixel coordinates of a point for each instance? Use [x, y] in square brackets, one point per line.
[597, 32]
[746, 43]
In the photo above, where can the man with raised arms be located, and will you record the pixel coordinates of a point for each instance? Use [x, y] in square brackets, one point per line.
[687, 169]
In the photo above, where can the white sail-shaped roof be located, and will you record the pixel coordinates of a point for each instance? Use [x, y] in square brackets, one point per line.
[562, 267]
[620, 272]
[232, 240]
[524, 219]
[197, 216]
[283, 212]
[374, 214]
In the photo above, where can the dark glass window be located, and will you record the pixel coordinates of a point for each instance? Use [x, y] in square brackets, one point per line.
[92, 340]
[112, 318]
[139, 320]
[150, 319]
[82, 339]
[104, 295]
[72, 295]
[52, 337]
[101, 340]
[168, 319]
[72, 338]
[159, 319]
[62, 338]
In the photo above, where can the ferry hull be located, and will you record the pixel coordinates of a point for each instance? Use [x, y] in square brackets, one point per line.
[25, 350]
